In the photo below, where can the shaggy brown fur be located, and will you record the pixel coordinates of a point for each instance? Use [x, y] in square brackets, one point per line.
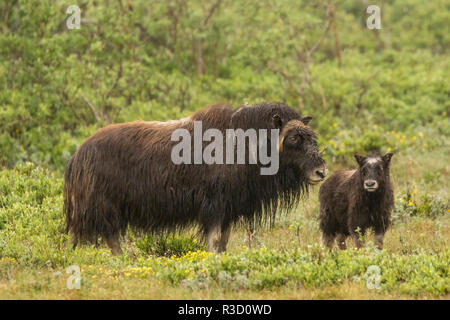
[357, 200]
[123, 176]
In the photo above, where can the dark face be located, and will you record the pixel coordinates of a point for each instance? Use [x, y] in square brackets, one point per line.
[298, 146]
[373, 170]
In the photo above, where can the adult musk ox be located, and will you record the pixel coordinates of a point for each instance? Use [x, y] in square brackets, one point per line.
[123, 175]
[353, 201]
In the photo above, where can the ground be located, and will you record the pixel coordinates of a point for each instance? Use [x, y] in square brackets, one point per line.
[287, 261]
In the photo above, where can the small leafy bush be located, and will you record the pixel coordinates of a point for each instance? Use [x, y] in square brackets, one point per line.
[168, 245]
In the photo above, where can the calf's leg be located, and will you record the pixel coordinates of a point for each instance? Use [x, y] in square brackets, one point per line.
[379, 240]
[357, 234]
[328, 240]
[341, 242]
[359, 243]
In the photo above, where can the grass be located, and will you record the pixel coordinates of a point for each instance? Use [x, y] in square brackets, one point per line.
[285, 262]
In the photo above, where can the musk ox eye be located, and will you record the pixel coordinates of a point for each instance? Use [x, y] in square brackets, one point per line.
[293, 139]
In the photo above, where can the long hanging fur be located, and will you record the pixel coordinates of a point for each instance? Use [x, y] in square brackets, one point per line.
[123, 176]
[345, 206]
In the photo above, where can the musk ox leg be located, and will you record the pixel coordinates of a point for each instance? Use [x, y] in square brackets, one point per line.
[73, 239]
[379, 240]
[217, 238]
[225, 235]
[328, 240]
[114, 244]
[341, 242]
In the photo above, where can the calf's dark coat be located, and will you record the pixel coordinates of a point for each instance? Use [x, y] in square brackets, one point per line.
[353, 201]
[123, 176]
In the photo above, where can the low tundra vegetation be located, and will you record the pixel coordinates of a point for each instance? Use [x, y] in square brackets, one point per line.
[35, 253]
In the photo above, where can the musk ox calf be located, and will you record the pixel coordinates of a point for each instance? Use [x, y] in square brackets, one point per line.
[353, 201]
[124, 176]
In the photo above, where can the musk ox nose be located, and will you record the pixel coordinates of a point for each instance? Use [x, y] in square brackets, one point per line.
[318, 175]
[370, 185]
[321, 173]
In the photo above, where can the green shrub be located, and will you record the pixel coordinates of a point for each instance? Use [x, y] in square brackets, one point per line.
[168, 245]
[57, 86]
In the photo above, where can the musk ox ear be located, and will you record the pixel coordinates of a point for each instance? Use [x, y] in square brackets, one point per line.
[276, 121]
[360, 159]
[387, 157]
[306, 119]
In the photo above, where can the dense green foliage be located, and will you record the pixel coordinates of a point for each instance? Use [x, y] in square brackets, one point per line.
[163, 59]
